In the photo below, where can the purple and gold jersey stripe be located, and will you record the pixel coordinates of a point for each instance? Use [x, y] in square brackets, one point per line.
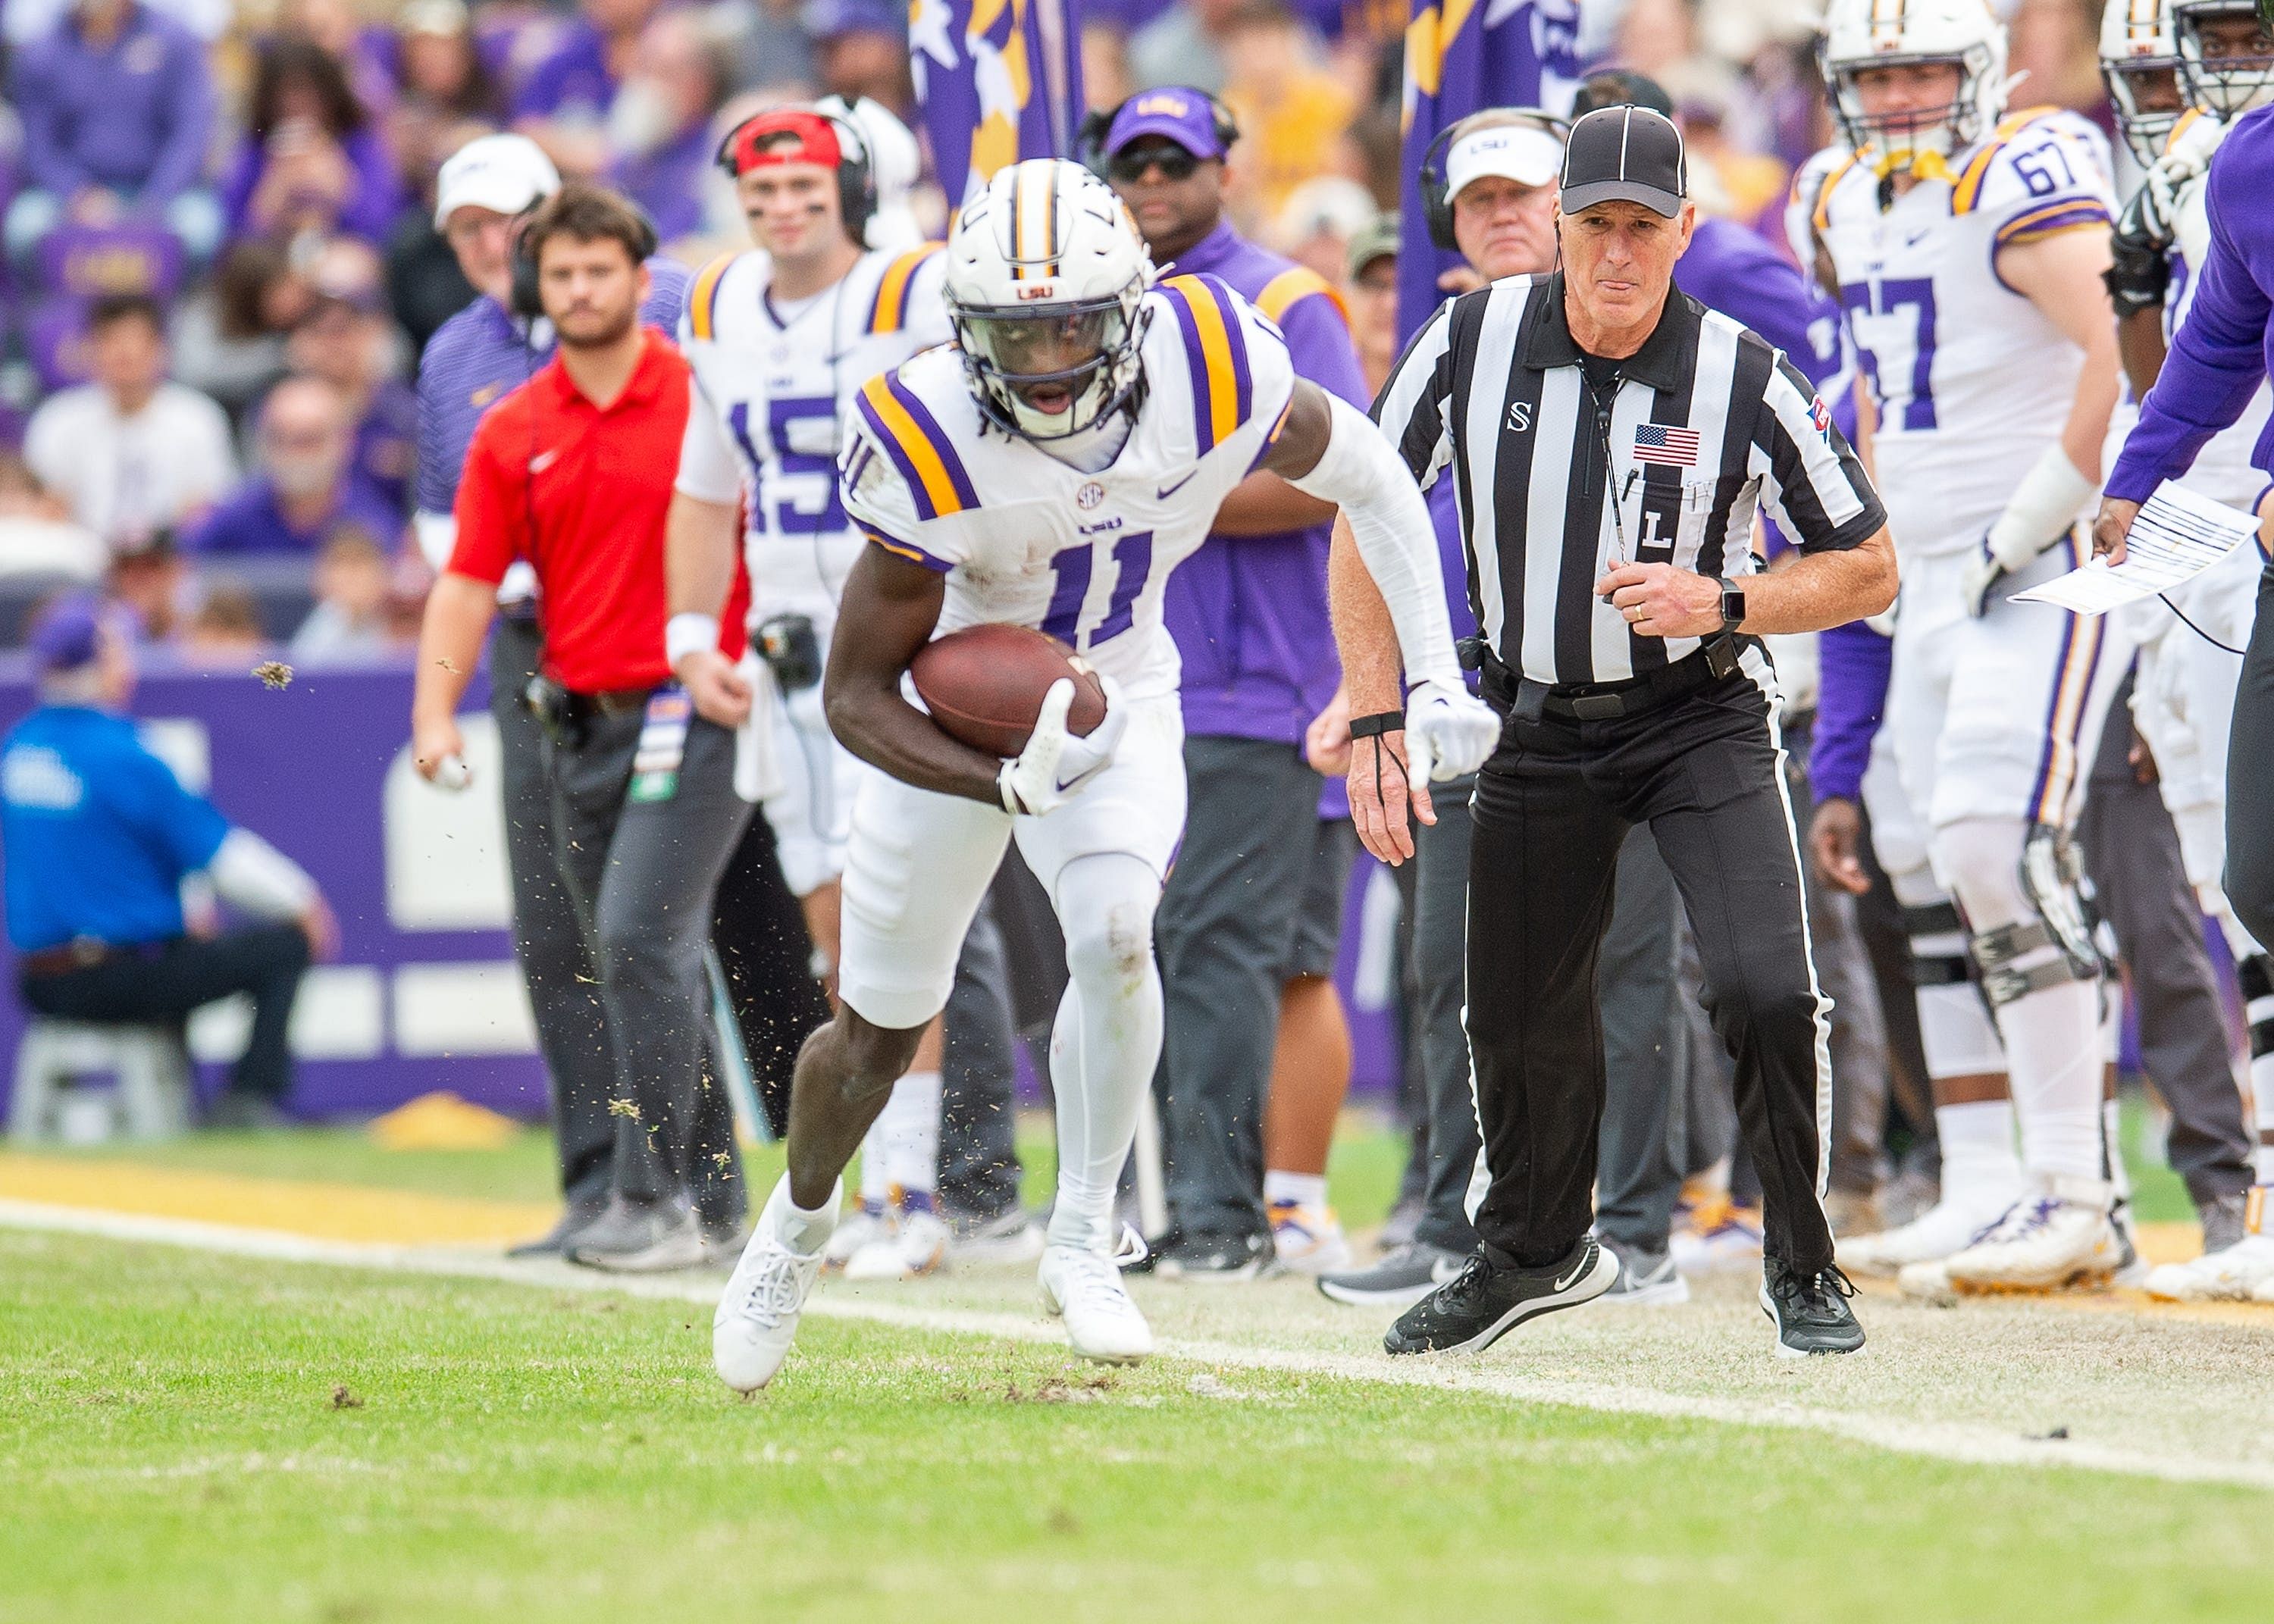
[889, 314]
[2068, 214]
[1821, 214]
[1968, 191]
[1298, 283]
[907, 550]
[703, 300]
[1217, 355]
[919, 447]
[2056, 764]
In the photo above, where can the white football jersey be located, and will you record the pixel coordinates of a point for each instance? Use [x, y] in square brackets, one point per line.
[1025, 538]
[1971, 380]
[2223, 468]
[775, 385]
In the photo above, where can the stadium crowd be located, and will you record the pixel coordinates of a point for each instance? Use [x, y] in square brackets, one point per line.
[228, 245]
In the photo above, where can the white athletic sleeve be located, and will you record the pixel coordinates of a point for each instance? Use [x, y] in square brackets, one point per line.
[707, 469]
[254, 876]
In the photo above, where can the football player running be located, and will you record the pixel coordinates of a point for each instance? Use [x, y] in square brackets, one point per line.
[1052, 472]
[781, 340]
[1969, 246]
[2178, 76]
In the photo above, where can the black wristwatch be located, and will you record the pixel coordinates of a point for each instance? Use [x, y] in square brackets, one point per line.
[1733, 604]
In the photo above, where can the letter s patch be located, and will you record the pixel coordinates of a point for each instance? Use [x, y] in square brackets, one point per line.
[1519, 416]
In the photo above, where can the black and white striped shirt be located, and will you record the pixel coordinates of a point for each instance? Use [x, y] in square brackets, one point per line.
[1700, 427]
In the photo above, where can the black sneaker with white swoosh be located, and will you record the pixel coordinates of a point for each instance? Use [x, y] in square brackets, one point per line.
[1487, 1300]
[1810, 1312]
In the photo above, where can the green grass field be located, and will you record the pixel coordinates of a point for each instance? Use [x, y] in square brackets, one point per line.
[189, 1437]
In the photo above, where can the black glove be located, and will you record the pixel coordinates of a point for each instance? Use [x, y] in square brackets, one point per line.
[2139, 275]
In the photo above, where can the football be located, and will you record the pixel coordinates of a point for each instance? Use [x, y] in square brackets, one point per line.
[984, 685]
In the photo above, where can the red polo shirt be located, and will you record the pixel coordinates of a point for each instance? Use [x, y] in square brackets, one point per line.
[581, 492]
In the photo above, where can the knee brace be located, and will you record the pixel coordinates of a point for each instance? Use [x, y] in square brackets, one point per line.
[2012, 958]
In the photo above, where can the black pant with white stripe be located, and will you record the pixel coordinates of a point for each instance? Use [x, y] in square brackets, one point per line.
[1552, 808]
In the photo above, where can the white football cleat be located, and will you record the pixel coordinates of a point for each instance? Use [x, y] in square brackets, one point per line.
[917, 1246]
[1945, 1228]
[757, 1314]
[855, 1229]
[1085, 1286]
[2057, 1235]
[2232, 1276]
[1308, 1240]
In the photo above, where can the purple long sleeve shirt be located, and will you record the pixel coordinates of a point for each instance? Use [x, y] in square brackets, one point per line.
[368, 210]
[2227, 344]
[1249, 613]
[132, 116]
[1853, 663]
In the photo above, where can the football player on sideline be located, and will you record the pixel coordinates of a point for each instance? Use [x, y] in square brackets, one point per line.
[782, 337]
[1969, 246]
[1052, 472]
[2177, 77]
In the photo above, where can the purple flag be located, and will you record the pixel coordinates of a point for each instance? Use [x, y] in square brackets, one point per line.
[997, 80]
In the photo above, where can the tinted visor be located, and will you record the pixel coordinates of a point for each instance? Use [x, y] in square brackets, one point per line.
[1059, 340]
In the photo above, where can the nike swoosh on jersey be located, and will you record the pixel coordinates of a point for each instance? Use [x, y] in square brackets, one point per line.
[1168, 491]
[542, 461]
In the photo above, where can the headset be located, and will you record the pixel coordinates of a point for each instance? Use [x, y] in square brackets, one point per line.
[1089, 139]
[1436, 208]
[526, 300]
[857, 172]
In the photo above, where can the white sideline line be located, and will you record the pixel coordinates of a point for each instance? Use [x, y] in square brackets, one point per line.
[1964, 1442]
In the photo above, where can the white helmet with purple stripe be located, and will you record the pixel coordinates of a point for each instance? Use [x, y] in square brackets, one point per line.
[1046, 280]
[1860, 36]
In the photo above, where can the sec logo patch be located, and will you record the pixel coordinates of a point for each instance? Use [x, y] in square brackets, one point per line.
[1089, 496]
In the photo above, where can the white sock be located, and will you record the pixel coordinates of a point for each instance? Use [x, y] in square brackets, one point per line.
[1303, 1189]
[908, 1128]
[2053, 1055]
[1107, 1038]
[1978, 1164]
[801, 1231]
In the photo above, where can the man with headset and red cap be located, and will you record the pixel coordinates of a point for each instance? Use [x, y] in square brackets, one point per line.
[1252, 917]
[783, 338]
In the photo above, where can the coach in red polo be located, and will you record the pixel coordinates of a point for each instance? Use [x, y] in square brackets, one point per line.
[573, 472]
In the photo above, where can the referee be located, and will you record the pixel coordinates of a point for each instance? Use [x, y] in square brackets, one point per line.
[1611, 441]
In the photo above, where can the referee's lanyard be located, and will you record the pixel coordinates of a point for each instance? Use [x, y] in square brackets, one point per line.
[1615, 499]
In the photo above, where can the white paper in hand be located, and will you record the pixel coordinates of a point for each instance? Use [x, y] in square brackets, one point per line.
[2177, 536]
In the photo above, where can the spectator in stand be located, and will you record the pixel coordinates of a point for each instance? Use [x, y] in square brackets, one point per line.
[771, 49]
[659, 126]
[307, 488]
[100, 836]
[117, 108]
[312, 161]
[1250, 920]
[346, 341]
[1320, 220]
[153, 582]
[1292, 112]
[442, 84]
[223, 633]
[861, 48]
[1371, 293]
[38, 537]
[132, 452]
[229, 337]
[366, 51]
[1184, 45]
[563, 104]
[354, 589]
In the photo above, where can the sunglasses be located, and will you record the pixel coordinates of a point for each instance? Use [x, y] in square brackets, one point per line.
[1174, 163]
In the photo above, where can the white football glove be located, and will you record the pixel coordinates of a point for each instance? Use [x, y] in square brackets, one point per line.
[1057, 763]
[1450, 733]
[2181, 163]
[2043, 507]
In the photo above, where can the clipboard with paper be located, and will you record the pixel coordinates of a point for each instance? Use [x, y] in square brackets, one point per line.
[2177, 534]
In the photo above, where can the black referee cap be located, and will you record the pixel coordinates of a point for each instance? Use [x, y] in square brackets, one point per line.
[1625, 152]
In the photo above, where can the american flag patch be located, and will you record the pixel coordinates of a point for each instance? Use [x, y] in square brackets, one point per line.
[1820, 415]
[1659, 442]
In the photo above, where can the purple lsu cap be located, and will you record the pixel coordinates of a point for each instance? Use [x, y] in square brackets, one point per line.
[68, 633]
[1185, 116]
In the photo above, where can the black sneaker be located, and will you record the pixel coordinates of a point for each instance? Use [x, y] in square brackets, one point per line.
[1486, 1301]
[1810, 1312]
[1180, 1255]
[1399, 1279]
[1647, 1280]
[554, 1242]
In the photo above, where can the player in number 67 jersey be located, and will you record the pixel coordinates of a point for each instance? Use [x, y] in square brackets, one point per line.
[1969, 246]
[1051, 471]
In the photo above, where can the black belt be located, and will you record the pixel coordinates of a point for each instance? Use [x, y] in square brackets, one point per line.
[609, 702]
[1605, 701]
[84, 953]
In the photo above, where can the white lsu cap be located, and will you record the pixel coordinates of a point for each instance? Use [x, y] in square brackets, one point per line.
[507, 173]
[1521, 153]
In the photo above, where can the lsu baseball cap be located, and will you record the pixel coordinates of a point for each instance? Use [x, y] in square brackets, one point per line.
[1185, 116]
[507, 173]
[68, 633]
[1625, 153]
[1522, 153]
[1376, 240]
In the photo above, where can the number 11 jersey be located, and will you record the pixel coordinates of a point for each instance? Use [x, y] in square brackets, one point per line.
[1971, 380]
[1025, 538]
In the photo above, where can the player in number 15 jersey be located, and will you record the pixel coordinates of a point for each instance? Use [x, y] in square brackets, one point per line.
[1050, 472]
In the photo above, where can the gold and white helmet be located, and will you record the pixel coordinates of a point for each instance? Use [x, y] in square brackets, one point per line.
[1862, 34]
[1046, 278]
[2140, 65]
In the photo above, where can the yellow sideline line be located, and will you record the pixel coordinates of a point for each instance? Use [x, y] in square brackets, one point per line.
[316, 1210]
